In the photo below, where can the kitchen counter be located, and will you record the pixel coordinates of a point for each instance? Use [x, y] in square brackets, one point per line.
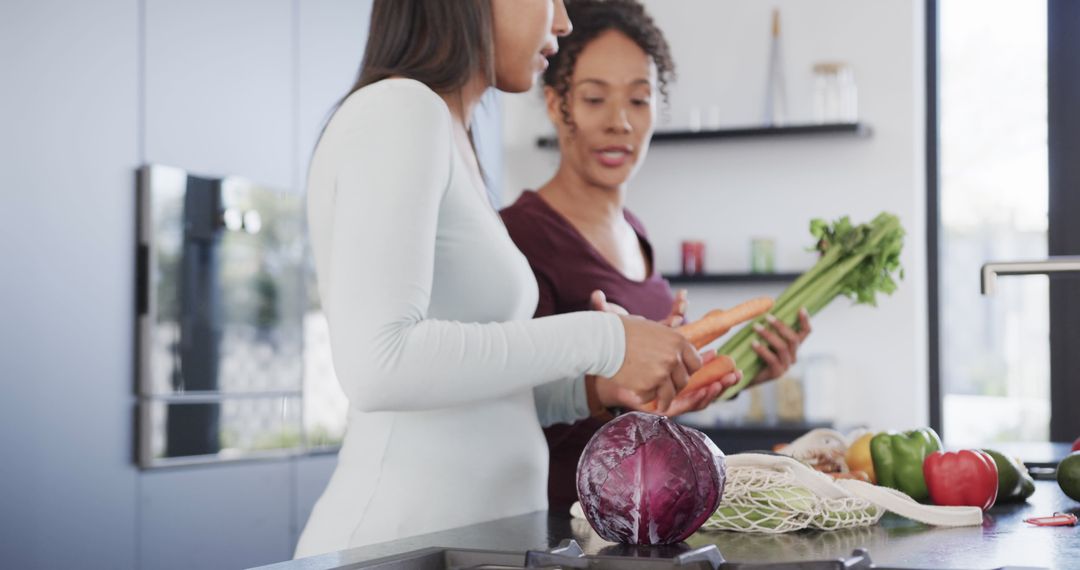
[1003, 540]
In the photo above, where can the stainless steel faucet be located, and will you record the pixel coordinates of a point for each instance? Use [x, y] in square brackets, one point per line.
[1056, 264]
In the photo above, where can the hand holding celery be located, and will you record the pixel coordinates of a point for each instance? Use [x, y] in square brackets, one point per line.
[857, 261]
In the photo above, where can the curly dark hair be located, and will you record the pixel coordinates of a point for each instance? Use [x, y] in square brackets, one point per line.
[594, 17]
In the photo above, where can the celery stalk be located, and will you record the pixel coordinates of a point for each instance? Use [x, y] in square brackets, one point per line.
[856, 261]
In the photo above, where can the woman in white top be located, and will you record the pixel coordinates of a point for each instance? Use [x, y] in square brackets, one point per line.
[428, 300]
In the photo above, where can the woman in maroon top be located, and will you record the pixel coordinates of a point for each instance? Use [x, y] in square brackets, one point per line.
[586, 249]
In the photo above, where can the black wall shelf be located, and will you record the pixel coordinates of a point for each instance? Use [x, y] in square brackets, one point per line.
[832, 129]
[733, 278]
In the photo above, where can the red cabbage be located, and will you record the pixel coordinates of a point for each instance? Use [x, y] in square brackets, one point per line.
[644, 479]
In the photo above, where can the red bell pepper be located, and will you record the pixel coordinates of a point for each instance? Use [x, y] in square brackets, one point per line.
[1076, 445]
[962, 478]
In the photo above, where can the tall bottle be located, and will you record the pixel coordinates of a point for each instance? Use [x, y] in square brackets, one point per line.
[775, 90]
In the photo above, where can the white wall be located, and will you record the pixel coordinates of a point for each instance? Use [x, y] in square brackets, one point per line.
[90, 91]
[728, 192]
[67, 148]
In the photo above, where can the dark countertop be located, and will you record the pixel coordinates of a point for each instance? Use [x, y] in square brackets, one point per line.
[1003, 540]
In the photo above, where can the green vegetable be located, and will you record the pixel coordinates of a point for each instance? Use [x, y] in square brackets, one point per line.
[856, 261]
[1068, 475]
[845, 519]
[1014, 482]
[898, 460]
[1027, 486]
[748, 518]
[785, 508]
[765, 509]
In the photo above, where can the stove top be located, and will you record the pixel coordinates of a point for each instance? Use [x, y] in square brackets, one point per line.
[568, 555]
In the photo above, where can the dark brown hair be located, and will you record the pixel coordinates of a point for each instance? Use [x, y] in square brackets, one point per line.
[594, 17]
[440, 43]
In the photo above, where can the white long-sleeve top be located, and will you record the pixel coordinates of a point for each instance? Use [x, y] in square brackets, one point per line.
[429, 306]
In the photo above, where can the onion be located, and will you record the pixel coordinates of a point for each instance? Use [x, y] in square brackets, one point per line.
[644, 479]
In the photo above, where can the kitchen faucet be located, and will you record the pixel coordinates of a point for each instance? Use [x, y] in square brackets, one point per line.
[1052, 265]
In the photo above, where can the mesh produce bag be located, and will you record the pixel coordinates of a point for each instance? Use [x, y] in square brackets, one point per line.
[777, 494]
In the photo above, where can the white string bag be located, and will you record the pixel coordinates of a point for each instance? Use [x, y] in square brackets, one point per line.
[776, 494]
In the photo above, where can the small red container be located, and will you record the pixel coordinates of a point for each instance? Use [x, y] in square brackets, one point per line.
[693, 257]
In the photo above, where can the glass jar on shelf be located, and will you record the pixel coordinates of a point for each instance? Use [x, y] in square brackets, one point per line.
[762, 255]
[836, 98]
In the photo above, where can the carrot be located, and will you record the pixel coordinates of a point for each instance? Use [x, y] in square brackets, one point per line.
[718, 322]
[708, 374]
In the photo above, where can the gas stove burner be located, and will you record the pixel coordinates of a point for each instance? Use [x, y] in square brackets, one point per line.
[568, 555]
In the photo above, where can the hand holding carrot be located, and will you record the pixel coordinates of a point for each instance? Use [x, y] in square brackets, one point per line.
[658, 361]
[720, 369]
[706, 382]
[688, 400]
[713, 325]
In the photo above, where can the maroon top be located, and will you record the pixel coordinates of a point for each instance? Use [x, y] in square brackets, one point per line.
[568, 269]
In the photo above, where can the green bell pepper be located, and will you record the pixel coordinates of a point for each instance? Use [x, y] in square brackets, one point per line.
[898, 460]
